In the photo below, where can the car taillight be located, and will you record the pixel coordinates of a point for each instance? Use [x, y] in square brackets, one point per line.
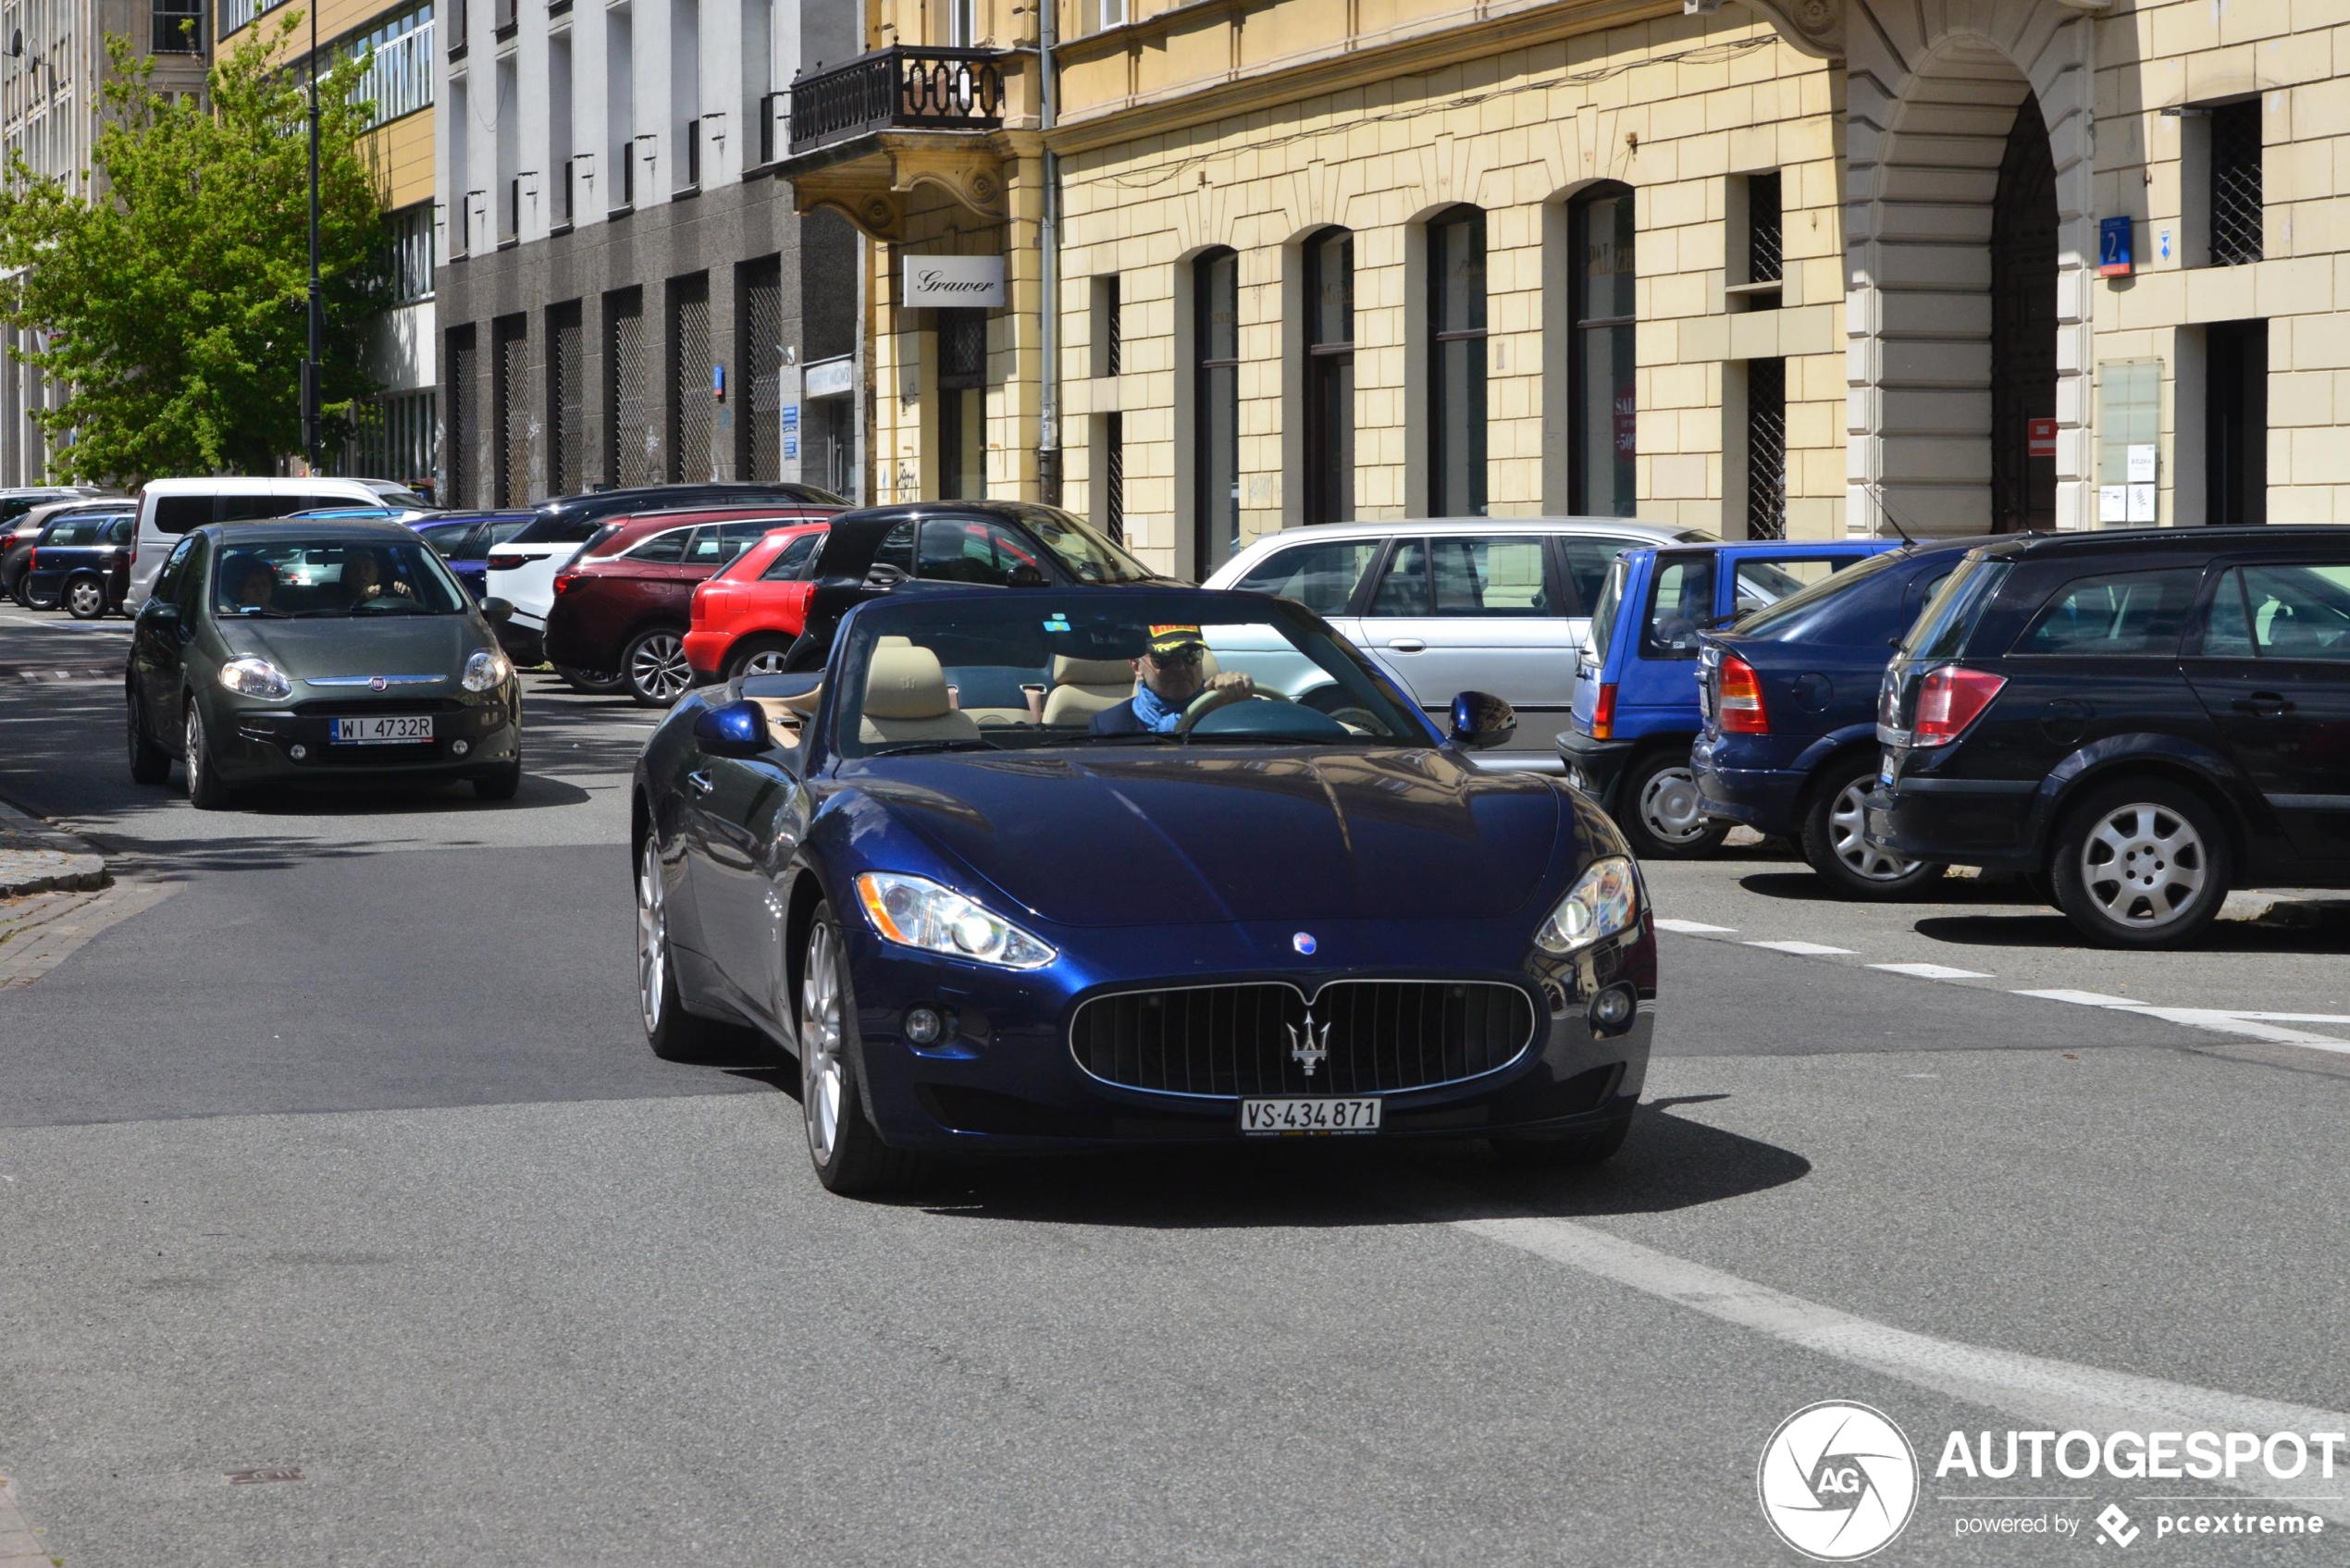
[1952, 698]
[1742, 709]
[504, 561]
[32, 561]
[564, 581]
[1603, 713]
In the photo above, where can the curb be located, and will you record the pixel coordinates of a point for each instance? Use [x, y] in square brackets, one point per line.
[37, 857]
[20, 1544]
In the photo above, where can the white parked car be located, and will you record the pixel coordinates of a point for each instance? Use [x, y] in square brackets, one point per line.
[169, 508]
[1448, 605]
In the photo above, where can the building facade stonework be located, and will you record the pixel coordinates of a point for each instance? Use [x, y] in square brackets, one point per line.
[1807, 267]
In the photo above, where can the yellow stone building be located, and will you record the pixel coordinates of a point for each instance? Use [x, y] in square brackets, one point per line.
[1806, 267]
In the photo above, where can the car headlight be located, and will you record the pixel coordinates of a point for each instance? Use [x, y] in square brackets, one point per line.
[486, 670]
[1604, 901]
[917, 912]
[255, 677]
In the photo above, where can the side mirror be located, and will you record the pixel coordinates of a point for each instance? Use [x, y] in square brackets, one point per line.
[160, 612]
[1481, 720]
[733, 729]
[1028, 577]
[497, 612]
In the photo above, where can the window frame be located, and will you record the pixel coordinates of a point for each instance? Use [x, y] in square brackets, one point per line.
[1580, 324]
[1328, 367]
[1205, 368]
[1474, 460]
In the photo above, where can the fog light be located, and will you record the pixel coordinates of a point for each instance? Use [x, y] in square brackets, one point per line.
[1612, 1010]
[297, 751]
[923, 1026]
[458, 747]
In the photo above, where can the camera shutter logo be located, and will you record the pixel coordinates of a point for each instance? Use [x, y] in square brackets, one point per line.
[1837, 1481]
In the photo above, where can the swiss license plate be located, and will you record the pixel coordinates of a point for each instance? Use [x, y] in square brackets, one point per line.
[1266, 1118]
[405, 728]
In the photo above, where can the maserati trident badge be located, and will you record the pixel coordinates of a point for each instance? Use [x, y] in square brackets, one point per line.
[1305, 1047]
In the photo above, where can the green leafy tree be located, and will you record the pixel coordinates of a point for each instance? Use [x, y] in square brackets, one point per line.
[168, 291]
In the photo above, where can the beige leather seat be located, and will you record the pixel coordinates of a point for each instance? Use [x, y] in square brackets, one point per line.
[1082, 687]
[906, 699]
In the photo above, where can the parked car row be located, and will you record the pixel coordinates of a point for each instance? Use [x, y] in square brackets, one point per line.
[72, 555]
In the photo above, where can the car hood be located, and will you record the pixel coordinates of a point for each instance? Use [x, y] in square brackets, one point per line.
[1178, 838]
[402, 645]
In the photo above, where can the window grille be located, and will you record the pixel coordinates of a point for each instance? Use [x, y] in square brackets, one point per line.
[2236, 183]
[692, 410]
[761, 357]
[634, 441]
[464, 368]
[178, 27]
[567, 400]
[1763, 221]
[1766, 449]
[513, 412]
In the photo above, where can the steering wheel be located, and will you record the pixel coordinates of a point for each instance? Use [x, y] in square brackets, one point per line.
[1207, 702]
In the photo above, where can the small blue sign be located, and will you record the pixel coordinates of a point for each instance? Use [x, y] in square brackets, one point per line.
[2114, 247]
[718, 382]
[791, 430]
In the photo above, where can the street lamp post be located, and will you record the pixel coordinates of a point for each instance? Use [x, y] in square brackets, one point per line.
[310, 360]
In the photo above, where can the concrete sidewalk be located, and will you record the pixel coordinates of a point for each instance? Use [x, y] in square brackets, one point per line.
[36, 857]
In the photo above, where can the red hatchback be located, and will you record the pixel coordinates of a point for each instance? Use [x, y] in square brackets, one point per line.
[747, 617]
[621, 608]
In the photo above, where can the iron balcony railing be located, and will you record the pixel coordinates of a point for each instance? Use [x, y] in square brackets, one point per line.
[904, 88]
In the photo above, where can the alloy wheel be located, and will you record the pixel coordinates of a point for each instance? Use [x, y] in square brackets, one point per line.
[1852, 846]
[657, 667]
[2143, 865]
[652, 935]
[1671, 807]
[823, 1080]
[86, 599]
[194, 743]
[766, 661]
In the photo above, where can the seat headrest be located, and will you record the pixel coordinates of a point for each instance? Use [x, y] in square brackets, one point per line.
[906, 683]
[1068, 672]
[893, 642]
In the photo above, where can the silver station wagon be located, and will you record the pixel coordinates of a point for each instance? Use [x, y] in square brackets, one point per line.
[1447, 605]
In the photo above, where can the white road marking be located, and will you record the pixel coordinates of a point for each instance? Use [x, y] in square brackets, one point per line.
[2033, 1389]
[1804, 949]
[1931, 972]
[2083, 998]
[1692, 927]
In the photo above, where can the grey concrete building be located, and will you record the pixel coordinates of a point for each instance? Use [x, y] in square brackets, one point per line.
[626, 295]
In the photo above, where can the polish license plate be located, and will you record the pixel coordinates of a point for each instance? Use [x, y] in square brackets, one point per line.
[1273, 1118]
[406, 729]
[1884, 775]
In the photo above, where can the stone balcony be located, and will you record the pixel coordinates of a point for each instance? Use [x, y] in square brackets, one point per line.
[865, 133]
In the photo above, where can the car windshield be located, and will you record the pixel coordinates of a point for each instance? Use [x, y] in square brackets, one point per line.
[1086, 555]
[1949, 616]
[1771, 617]
[1604, 613]
[1029, 671]
[321, 578]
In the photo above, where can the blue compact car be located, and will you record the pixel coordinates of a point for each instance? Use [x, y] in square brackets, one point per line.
[1789, 701]
[462, 539]
[1636, 693]
[1025, 870]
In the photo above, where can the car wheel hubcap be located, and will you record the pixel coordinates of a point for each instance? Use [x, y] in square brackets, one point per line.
[658, 667]
[822, 1079]
[195, 748]
[2144, 866]
[1852, 846]
[652, 935]
[85, 598]
[768, 663]
[1670, 807]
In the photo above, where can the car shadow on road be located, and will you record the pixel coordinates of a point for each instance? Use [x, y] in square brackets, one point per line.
[1669, 1162]
[1807, 887]
[2328, 934]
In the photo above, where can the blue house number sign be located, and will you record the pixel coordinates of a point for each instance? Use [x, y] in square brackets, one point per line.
[2114, 247]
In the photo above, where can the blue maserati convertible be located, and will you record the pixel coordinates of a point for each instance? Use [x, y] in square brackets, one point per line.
[1023, 870]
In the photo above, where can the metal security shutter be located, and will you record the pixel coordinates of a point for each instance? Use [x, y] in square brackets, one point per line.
[567, 400]
[634, 441]
[1114, 475]
[762, 441]
[465, 368]
[1766, 449]
[692, 410]
[514, 411]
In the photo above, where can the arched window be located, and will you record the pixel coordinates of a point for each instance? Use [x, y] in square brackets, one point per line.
[1329, 377]
[1603, 394]
[1456, 368]
[1216, 361]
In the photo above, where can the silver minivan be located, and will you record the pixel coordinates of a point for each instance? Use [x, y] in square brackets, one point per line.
[1448, 605]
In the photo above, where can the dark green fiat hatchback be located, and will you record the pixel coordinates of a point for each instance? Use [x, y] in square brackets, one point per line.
[316, 651]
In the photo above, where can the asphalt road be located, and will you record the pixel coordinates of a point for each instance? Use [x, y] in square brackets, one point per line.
[348, 1159]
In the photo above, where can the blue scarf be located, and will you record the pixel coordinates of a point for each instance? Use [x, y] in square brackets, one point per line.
[1154, 715]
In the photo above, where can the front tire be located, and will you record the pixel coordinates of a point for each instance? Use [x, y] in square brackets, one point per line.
[1662, 813]
[150, 763]
[592, 683]
[1833, 842]
[847, 1152]
[2143, 863]
[655, 668]
[501, 785]
[85, 598]
[675, 1035]
[205, 791]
